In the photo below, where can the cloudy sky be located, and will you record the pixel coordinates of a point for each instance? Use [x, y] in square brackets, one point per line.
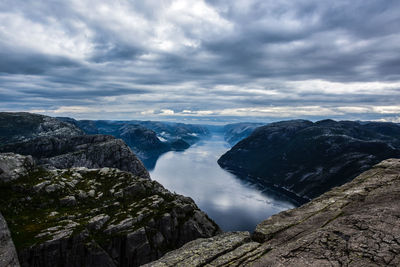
[198, 60]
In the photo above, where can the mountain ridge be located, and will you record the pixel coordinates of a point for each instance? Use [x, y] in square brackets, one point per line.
[309, 158]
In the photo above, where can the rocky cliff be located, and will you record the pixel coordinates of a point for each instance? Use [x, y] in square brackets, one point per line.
[148, 139]
[310, 158]
[144, 143]
[22, 126]
[93, 217]
[352, 225]
[62, 145]
[91, 151]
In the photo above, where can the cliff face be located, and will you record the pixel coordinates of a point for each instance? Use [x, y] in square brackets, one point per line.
[62, 145]
[91, 151]
[144, 143]
[352, 225]
[310, 158]
[94, 217]
[148, 139]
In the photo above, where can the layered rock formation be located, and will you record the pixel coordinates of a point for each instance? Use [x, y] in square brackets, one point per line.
[310, 158]
[95, 217]
[91, 151]
[62, 145]
[352, 225]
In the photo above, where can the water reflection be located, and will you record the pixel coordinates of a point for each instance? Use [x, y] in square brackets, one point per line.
[230, 202]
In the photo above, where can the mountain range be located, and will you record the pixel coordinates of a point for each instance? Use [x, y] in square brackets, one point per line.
[74, 193]
[148, 139]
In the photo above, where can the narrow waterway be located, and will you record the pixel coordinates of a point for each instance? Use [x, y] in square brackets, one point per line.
[233, 204]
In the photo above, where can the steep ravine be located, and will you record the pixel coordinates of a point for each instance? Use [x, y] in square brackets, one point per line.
[352, 225]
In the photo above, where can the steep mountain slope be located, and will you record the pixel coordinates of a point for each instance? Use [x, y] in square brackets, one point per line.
[62, 145]
[91, 151]
[310, 158]
[147, 139]
[235, 132]
[93, 217]
[144, 143]
[352, 225]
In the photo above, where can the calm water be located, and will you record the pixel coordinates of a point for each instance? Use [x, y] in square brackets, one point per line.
[230, 202]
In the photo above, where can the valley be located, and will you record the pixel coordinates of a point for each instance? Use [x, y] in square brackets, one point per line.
[76, 193]
[232, 203]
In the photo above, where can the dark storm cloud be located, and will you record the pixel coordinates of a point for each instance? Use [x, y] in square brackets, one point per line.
[20, 62]
[199, 57]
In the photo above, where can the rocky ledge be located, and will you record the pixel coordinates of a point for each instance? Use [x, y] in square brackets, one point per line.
[356, 224]
[93, 217]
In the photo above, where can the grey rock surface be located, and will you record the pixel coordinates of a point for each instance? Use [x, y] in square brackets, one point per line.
[97, 217]
[8, 254]
[356, 224]
[91, 151]
[63, 145]
[13, 166]
[22, 126]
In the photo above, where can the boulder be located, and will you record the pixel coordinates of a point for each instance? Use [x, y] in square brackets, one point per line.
[13, 166]
[8, 254]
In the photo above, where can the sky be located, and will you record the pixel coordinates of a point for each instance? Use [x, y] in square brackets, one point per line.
[201, 60]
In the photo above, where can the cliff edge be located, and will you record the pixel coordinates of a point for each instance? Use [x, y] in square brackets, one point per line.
[352, 225]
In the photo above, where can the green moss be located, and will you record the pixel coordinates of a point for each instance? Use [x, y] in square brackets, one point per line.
[28, 218]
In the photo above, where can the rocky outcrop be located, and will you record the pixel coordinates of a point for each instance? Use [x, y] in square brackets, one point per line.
[91, 151]
[352, 225]
[97, 217]
[22, 126]
[8, 254]
[309, 158]
[144, 143]
[235, 132]
[62, 145]
[13, 166]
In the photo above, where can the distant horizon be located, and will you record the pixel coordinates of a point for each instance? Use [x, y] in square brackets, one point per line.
[219, 121]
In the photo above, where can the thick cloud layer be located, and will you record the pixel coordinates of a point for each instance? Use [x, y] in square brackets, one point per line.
[201, 60]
